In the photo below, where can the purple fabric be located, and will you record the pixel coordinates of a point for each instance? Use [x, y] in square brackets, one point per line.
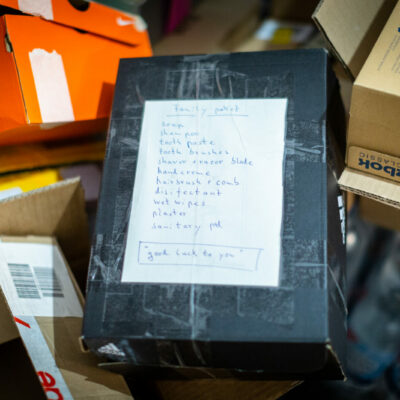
[178, 10]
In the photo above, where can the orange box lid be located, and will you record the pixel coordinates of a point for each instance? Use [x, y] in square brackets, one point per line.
[87, 16]
[65, 75]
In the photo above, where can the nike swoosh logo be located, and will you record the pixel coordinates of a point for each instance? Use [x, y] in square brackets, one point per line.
[125, 22]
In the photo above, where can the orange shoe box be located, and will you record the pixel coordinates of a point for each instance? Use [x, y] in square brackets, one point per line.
[87, 16]
[57, 81]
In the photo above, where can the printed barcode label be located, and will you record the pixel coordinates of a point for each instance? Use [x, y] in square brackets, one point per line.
[24, 281]
[28, 288]
[48, 282]
[35, 280]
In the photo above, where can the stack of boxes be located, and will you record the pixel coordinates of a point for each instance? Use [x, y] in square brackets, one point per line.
[59, 64]
[365, 37]
[219, 247]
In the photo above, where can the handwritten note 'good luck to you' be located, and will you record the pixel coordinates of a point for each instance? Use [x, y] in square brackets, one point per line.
[208, 194]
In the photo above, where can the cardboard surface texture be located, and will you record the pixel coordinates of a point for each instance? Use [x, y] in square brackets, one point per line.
[51, 342]
[378, 189]
[352, 27]
[56, 210]
[55, 87]
[365, 36]
[380, 214]
[168, 152]
[215, 389]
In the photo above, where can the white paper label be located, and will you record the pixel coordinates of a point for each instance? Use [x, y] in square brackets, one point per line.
[43, 361]
[208, 194]
[35, 281]
[51, 86]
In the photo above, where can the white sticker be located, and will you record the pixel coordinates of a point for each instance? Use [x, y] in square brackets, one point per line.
[43, 361]
[208, 194]
[35, 281]
[51, 86]
[7, 193]
[42, 8]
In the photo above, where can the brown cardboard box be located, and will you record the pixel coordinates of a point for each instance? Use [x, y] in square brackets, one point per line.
[380, 214]
[50, 72]
[56, 210]
[365, 36]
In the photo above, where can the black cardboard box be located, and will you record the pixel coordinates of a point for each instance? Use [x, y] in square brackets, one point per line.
[219, 246]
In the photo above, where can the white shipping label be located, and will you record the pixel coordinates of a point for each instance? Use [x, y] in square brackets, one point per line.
[35, 281]
[43, 361]
[51, 86]
[208, 194]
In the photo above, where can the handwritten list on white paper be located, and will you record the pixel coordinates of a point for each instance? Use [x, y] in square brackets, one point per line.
[208, 194]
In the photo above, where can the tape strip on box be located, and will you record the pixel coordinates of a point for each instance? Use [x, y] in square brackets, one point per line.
[51, 86]
[43, 361]
[42, 8]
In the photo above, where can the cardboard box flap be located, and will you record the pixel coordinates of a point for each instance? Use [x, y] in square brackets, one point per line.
[55, 210]
[44, 303]
[352, 27]
[380, 71]
[86, 16]
[370, 186]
